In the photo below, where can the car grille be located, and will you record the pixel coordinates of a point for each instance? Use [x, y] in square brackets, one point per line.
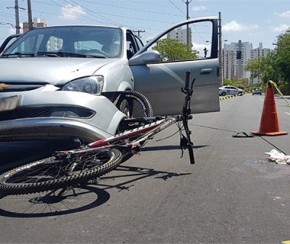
[59, 112]
[14, 87]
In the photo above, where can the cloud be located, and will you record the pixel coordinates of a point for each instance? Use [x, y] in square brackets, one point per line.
[234, 26]
[199, 8]
[12, 31]
[285, 14]
[281, 28]
[71, 12]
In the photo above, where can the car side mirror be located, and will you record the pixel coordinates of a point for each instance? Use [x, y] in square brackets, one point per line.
[145, 58]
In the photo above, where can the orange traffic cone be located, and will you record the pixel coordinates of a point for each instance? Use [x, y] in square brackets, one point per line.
[269, 125]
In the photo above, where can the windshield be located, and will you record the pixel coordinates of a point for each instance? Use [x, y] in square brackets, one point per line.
[68, 41]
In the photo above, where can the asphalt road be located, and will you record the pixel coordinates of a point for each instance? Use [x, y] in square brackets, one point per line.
[231, 195]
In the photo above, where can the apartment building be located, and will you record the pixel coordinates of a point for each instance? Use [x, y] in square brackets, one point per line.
[180, 35]
[235, 57]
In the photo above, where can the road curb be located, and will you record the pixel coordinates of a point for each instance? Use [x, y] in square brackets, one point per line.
[228, 97]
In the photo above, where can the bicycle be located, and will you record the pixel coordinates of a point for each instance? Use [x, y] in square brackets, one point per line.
[79, 166]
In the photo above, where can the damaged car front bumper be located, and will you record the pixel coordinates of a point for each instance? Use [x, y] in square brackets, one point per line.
[48, 114]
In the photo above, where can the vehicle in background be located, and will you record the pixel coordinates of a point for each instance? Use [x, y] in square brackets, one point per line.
[230, 90]
[257, 92]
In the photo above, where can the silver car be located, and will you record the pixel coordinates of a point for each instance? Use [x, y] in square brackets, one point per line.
[230, 90]
[57, 82]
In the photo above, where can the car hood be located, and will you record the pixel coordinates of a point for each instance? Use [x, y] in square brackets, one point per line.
[54, 71]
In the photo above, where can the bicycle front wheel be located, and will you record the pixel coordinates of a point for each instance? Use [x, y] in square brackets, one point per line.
[60, 171]
[134, 104]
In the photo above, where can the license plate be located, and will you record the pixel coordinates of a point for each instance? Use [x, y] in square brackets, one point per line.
[8, 103]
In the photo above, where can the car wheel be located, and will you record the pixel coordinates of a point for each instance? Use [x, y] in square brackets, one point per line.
[223, 94]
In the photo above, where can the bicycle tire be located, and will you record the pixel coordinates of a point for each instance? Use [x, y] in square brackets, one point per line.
[53, 172]
[135, 104]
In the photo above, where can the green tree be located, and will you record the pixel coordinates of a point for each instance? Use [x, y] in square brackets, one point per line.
[283, 61]
[171, 49]
[283, 55]
[276, 65]
[241, 83]
[263, 67]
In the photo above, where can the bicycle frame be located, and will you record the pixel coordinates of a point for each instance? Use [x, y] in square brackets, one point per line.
[151, 127]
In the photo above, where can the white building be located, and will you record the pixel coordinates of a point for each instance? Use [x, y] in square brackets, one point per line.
[235, 57]
[180, 35]
[260, 51]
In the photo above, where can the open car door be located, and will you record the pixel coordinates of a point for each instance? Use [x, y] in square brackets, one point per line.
[159, 68]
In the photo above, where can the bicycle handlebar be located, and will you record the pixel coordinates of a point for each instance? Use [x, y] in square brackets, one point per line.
[188, 87]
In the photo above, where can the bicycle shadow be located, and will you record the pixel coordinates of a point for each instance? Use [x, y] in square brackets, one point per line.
[129, 174]
[47, 205]
[80, 198]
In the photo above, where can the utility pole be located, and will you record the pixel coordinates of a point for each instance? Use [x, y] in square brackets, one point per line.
[16, 8]
[187, 2]
[30, 24]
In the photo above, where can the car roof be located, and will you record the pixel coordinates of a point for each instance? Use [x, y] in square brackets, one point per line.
[69, 26]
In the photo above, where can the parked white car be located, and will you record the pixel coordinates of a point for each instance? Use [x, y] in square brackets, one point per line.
[230, 90]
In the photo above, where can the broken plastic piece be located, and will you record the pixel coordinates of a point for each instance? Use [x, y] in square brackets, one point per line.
[278, 157]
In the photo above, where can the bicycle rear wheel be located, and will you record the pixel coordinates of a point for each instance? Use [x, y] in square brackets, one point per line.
[59, 171]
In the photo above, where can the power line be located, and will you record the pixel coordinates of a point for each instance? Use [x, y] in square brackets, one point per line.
[176, 6]
[187, 2]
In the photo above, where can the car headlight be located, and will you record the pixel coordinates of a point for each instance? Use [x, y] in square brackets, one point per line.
[92, 85]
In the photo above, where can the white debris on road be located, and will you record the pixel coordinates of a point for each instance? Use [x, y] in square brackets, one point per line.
[278, 157]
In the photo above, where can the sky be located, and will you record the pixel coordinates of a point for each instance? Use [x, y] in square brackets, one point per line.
[253, 21]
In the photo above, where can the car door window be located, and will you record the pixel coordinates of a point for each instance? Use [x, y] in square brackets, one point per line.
[187, 42]
[139, 42]
[132, 46]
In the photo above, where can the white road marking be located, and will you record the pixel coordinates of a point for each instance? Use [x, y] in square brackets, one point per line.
[287, 113]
